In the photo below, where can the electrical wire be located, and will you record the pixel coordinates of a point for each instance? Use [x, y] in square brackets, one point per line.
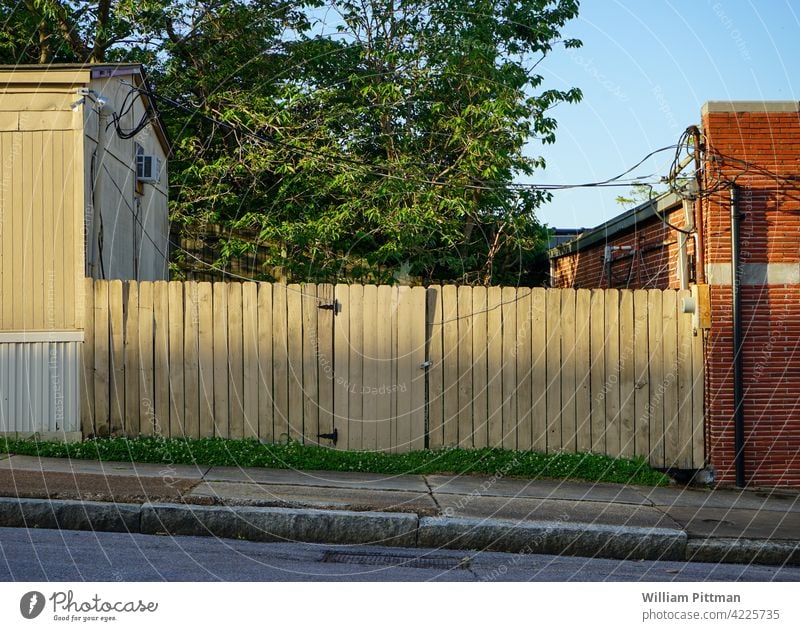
[616, 180]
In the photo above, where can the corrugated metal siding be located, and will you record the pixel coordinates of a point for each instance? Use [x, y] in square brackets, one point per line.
[39, 387]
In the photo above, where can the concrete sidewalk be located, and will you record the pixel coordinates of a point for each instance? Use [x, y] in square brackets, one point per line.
[435, 511]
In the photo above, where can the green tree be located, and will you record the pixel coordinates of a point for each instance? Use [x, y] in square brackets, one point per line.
[390, 144]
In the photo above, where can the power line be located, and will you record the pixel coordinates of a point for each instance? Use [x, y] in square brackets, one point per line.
[616, 180]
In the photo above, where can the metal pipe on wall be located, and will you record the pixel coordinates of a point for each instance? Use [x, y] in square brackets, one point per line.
[736, 300]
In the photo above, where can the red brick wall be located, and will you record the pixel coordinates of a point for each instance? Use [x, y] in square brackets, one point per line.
[651, 265]
[770, 233]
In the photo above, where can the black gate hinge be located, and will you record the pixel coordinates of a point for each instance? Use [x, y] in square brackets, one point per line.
[334, 306]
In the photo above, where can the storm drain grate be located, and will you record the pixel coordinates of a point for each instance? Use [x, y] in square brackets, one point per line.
[395, 560]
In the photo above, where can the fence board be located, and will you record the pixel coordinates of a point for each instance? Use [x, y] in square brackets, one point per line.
[597, 345]
[355, 379]
[87, 357]
[671, 394]
[132, 400]
[656, 368]
[494, 326]
[265, 347]
[404, 369]
[191, 361]
[146, 356]
[641, 374]
[684, 368]
[235, 362]
[698, 384]
[310, 364]
[568, 413]
[450, 364]
[553, 346]
[480, 417]
[464, 351]
[250, 384]
[387, 387]
[205, 341]
[509, 315]
[102, 351]
[627, 374]
[612, 376]
[435, 377]
[280, 368]
[161, 357]
[117, 357]
[371, 367]
[294, 348]
[341, 363]
[417, 319]
[221, 386]
[177, 384]
[539, 369]
[583, 371]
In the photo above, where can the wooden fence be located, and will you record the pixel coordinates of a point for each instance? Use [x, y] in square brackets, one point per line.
[397, 368]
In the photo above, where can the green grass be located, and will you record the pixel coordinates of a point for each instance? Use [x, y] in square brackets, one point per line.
[251, 453]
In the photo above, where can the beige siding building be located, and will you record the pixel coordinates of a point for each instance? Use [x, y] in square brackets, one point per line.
[71, 205]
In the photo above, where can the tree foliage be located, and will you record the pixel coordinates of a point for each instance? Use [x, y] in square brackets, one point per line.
[383, 135]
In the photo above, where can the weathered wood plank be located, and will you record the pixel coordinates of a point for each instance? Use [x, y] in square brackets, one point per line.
[450, 364]
[522, 350]
[191, 361]
[641, 374]
[387, 388]
[161, 356]
[177, 366]
[117, 368]
[250, 381]
[265, 346]
[597, 350]
[88, 359]
[698, 402]
[133, 401]
[568, 413]
[235, 361]
[611, 385]
[355, 377]
[539, 369]
[494, 395]
[480, 375]
[627, 376]
[685, 385]
[310, 309]
[417, 381]
[509, 315]
[655, 334]
[102, 360]
[671, 385]
[294, 310]
[404, 369]
[221, 391]
[553, 307]
[464, 352]
[205, 358]
[325, 324]
[371, 364]
[583, 371]
[280, 361]
[341, 365]
[435, 370]
[147, 413]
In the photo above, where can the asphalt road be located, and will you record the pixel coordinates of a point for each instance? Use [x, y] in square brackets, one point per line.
[52, 555]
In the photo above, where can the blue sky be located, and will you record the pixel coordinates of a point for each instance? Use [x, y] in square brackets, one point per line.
[646, 67]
